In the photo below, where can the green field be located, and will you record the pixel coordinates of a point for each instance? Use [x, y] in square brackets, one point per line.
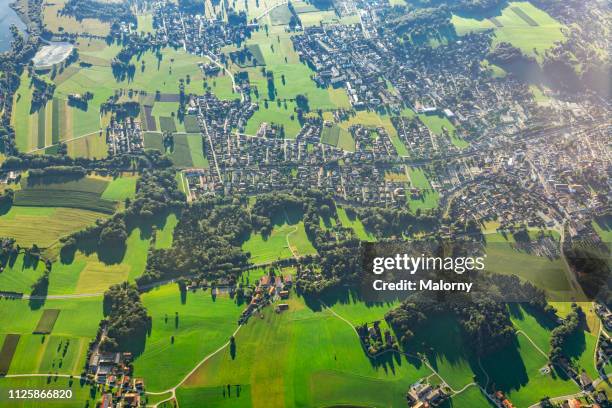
[299, 358]
[175, 346]
[47, 321]
[503, 258]
[83, 395]
[81, 128]
[279, 244]
[61, 352]
[532, 40]
[164, 236]
[355, 224]
[430, 198]
[63, 198]
[19, 273]
[120, 188]
[188, 151]
[44, 225]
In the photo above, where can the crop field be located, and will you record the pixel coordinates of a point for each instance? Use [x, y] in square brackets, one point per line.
[80, 128]
[120, 188]
[183, 332]
[47, 321]
[154, 140]
[7, 352]
[316, 18]
[188, 151]
[330, 135]
[355, 224]
[63, 198]
[62, 352]
[166, 124]
[281, 15]
[44, 225]
[191, 124]
[299, 358]
[541, 271]
[523, 25]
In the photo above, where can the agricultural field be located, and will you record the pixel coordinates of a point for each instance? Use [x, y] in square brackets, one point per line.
[522, 24]
[503, 258]
[83, 395]
[62, 351]
[185, 328]
[43, 226]
[120, 188]
[57, 23]
[299, 358]
[80, 128]
[338, 137]
[188, 151]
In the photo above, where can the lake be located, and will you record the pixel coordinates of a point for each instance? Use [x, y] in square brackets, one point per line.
[7, 18]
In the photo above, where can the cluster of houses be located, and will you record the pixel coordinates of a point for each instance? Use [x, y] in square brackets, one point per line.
[374, 340]
[502, 400]
[269, 289]
[124, 137]
[113, 371]
[424, 395]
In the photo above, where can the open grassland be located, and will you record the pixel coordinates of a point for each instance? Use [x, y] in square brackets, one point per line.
[120, 188]
[512, 27]
[279, 245]
[164, 236]
[543, 272]
[43, 226]
[47, 321]
[19, 273]
[355, 224]
[299, 358]
[471, 397]
[429, 199]
[184, 330]
[63, 351]
[603, 227]
[516, 371]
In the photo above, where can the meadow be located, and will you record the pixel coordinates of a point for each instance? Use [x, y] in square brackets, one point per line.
[164, 235]
[430, 198]
[282, 243]
[120, 188]
[43, 226]
[185, 328]
[512, 27]
[543, 272]
[188, 151]
[63, 351]
[355, 224]
[299, 358]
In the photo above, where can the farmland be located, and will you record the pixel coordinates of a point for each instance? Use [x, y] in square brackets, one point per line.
[47, 321]
[355, 224]
[512, 27]
[316, 360]
[183, 331]
[188, 151]
[285, 240]
[63, 351]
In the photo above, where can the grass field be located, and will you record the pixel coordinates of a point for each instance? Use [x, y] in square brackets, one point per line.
[19, 274]
[58, 23]
[63, 198]
[164, 236]
[430, 198]
[516, 371]
[154, 140]
[355, 224]
[503, 258]
[44, 225]
[471, 397]
[532, 39]
[276, 246]
[62, 352]
[188, 151]
[299, 358]
[177, 343]
[47, 321]
[120, 188]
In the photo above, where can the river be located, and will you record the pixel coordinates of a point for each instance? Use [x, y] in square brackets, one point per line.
[7, 18]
